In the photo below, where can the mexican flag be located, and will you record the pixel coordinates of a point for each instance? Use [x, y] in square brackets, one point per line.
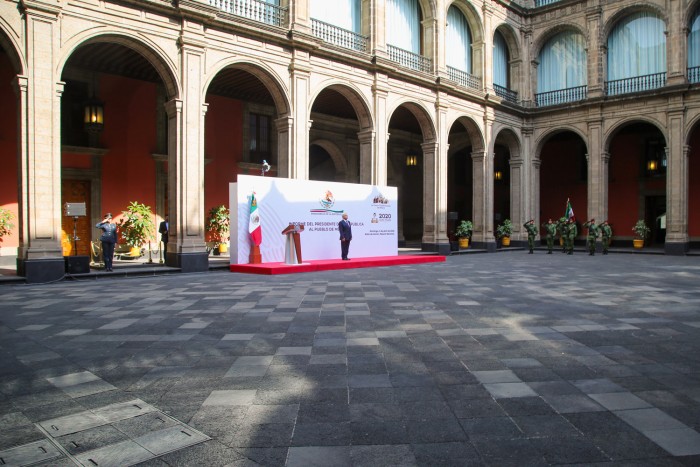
[254, 225]
[569, 211]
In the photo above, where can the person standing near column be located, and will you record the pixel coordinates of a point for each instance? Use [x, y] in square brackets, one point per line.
[592, 236]
[606, 235]
[108, 239]
[531, 234]
[163, 230]
[551, 229]
[572, 232]
[345, 230]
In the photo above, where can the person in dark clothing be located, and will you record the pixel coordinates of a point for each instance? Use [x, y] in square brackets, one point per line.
[163, 230]
[345, 230]
[108, 239]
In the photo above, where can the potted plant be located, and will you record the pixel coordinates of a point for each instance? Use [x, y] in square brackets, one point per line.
[6, 224]
[504, 231]
[136, 226]
[218, 227]
[641, 232]
[463, 232]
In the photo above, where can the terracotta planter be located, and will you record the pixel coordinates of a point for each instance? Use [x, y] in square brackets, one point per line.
[505, 241]
[464, 242]
[223, 248]
[135, 251]
[638, 242]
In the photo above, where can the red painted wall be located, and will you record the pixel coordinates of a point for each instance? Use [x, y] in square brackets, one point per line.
[560, 179]
[8, 148]
[694, 186]
[623, 189]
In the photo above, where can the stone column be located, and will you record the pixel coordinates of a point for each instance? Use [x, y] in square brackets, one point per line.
[535, 206]
[482, 61]
[594, 50]
[482, 195]
[434, 236]
[186, 245]
[366, 139]
[284, 127]
[528, 89]
[40, 255]
[597, 161]
[373, 15]
[677, 241]
[676, 46]
[299, 16]
[300, 71]
[518, 197]
[380, 91]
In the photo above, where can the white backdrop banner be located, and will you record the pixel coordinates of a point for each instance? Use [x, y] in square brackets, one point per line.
[319, 206]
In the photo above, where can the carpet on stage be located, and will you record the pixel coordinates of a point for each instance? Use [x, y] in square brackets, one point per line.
[334, 264]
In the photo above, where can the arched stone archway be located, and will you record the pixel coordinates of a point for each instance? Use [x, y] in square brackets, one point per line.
[509, 186]
[326, 162]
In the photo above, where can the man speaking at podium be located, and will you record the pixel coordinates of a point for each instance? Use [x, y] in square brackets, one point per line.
[345, 230]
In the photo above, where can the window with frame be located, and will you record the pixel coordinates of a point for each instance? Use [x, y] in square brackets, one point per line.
[259, 141]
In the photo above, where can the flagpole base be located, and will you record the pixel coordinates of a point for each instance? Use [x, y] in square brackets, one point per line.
[255, 256]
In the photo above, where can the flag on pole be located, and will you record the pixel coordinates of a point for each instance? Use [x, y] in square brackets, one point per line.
[569, 211]
[254, 224]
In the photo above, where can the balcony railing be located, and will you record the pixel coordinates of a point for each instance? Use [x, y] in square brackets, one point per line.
[409, 59]
[256, 10]
[636, 84]
[506, 94]
[561, 96]
[464, 78]
[694, 74]
[545, 2]
[339, 36]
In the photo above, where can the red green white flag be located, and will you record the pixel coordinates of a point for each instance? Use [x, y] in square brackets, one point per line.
[254, 224]
[569, 211]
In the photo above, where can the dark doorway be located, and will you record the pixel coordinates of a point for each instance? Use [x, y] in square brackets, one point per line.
[655, 217]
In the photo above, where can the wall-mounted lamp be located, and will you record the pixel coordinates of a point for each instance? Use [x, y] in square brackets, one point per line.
[652, 165]
[93, 116]
[498, 175]
[411, 160]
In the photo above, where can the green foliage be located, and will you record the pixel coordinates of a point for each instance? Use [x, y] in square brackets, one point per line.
[6, 224]
[218, 223]
[137, 226]
[504, 229]
[640, 229]
[464, 229]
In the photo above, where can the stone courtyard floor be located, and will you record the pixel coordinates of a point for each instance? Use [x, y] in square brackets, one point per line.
[490, 359]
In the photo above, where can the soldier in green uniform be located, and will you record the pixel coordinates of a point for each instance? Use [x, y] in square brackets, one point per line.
[592, 236]
[551, 229]
[563, 227]
[606, 235]
[571, 233]
[531, 234]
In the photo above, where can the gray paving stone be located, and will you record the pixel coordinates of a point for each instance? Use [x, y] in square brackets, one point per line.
[620, 401]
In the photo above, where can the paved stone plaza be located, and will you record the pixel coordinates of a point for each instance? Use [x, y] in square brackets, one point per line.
[489, 359]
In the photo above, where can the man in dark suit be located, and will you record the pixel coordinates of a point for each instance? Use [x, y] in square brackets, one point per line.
[163, 230]
[345, 230]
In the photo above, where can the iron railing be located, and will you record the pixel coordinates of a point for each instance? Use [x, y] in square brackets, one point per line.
[339, 36]
[694, 74]
[561, 96]
[506, 94]
[409, 59]
[635, 84]
[545, 2]
[464, 78]
[256, 10]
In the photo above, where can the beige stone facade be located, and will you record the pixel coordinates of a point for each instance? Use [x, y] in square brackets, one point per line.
[190, 42]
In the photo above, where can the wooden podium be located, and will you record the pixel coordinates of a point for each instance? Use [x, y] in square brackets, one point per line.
[292, 246]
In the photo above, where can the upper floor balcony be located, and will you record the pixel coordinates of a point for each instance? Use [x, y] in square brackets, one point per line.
[339, 36]
[256, 10]
[561, 96]
[635, 84]
[463, 78]
[506, 94]
[409, 59]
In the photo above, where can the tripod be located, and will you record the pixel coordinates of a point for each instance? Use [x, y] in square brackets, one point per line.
[75, 236]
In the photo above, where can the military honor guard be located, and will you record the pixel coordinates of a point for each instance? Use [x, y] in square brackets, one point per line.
[531, 234]
[592, 236]
[551, 229]
[606, 235]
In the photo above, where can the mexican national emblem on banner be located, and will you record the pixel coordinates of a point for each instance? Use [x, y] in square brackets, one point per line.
[569, 211]
[254, 226]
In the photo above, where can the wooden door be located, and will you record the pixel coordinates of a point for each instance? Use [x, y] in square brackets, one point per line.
[76, 191]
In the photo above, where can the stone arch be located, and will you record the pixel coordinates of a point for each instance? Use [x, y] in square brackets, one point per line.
[261, 71]
[12, 48]
[690, 127]
[428, 9]
[545, 37]
[154, 54]
[341, 166]
[612, 131]
[355, 98]
[473, 18]
[476, 136]
[689, 11]
[640, 6]
[547, 135]
[510, 137]
[512, 39]
[425, 121]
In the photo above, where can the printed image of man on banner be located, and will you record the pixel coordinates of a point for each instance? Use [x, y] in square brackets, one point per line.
[255, 230]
